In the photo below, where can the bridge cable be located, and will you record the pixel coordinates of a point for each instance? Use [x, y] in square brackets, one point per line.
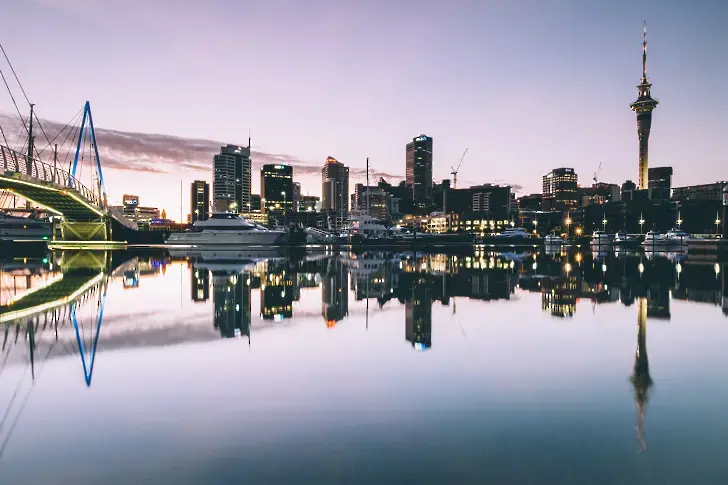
[68, 125]
[14, 103]
[23, 91]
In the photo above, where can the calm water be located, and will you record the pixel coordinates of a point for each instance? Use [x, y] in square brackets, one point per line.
[385, 367]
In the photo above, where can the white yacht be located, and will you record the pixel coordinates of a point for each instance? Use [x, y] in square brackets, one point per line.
[367, 226]
[654, 239]
[514, 233]
[227, 229]
[622, 238]
[600, 238]
[676, 238]
[553, 240]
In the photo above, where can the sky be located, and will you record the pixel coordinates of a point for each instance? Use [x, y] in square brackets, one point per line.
[526, 85]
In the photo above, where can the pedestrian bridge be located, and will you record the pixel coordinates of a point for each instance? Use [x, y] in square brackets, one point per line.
[80, 213]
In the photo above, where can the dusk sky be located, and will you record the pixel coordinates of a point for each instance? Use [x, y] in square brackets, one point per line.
[527, 86]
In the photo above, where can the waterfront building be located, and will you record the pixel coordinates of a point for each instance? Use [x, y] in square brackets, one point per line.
[559, 190]
[418, 170]
[232, 170]
[309, 203]
[493, 201]
[643, 106]
[334, 186]
[276, 188]
[712, 191]
[255, 203]
[660, 183]
[377, 198]
[530, 202]
[133, 211]
[199, 201]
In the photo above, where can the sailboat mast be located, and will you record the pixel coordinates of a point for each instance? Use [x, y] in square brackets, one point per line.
[367, 185]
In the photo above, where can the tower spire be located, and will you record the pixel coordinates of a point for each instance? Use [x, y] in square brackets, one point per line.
[644, 52]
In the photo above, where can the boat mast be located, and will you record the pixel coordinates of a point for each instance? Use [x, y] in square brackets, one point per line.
[29, 159]
[367, 185]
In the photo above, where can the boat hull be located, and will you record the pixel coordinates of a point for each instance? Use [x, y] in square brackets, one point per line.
[247, 238]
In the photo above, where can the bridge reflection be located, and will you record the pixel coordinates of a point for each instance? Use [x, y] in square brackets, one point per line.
[68, 292]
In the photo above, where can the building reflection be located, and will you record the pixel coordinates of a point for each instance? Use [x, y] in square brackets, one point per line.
[418, 315]
[231, 302]
[277, 292]
[641, 380]
[334, 292]
[199, 284]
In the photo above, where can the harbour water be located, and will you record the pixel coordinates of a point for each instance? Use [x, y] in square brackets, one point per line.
[379, 367]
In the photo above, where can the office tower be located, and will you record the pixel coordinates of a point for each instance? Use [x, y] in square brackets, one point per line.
[199, 201]
[418, 176]
[334, 186]
[296, 196]
[276, 188]
[560, 185]
[643, 106]
[232, 175]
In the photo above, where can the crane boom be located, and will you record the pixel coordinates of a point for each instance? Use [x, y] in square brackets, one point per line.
[455, 170]
[596, 174]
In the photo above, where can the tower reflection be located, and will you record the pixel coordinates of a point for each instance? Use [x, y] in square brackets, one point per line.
[335, 292]
[418, 315]
[231, 301]
[641, 380]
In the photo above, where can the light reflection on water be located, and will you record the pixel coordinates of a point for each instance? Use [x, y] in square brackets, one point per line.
[275, 366]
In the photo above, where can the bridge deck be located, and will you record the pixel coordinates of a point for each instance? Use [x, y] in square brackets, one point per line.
[57, 199]
[61, 292]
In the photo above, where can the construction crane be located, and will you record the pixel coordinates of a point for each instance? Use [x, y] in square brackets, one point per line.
[596, 174]
[455, 170]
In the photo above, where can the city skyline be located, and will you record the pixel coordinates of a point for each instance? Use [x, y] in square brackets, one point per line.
[511, 105]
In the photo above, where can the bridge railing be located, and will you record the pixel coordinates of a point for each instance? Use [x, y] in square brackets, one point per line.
[13, 161]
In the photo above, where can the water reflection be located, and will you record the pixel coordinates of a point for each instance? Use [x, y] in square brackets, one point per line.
[54, 305]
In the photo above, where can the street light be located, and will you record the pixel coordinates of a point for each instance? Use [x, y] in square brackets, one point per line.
[642, 221]
[604, 224]
[717, 222]
[285, 209]
[568, 227]
[535, 226]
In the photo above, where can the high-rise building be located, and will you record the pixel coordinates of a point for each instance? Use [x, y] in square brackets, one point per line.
[199, 201]
[334, 186]
[276, 188]
[255, 202]
[296, 196]
[561, 185]
[418, 176]
[660, 182]
[643, 106]
[232, 175]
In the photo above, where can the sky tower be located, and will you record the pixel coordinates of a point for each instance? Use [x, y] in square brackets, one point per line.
[643, 106]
